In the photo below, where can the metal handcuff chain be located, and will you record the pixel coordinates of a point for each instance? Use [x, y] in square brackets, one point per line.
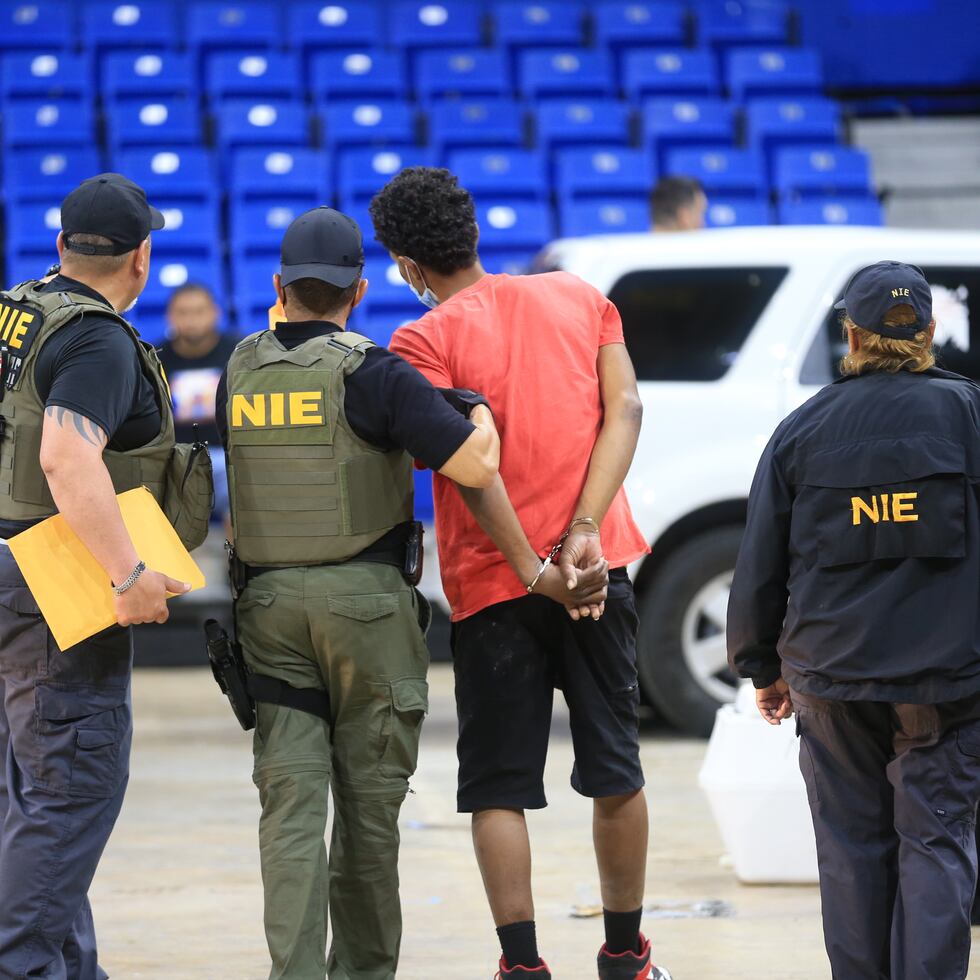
[557, 549]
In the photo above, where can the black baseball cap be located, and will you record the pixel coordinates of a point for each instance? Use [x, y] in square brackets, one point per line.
[875, 289]
[110, 205]
[322, 244]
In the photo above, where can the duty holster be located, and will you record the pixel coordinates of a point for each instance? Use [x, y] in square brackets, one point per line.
[241, 685]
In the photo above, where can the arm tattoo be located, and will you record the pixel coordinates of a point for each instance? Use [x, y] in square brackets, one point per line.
[85, 427]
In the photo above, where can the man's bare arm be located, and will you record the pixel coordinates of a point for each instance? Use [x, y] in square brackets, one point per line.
[71, 458]
[611, 458]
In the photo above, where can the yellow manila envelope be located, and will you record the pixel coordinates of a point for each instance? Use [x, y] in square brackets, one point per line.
[72, 589]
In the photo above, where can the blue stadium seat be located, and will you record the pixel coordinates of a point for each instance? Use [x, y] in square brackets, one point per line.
[721, 171]
[51, 75]
[576, 121]
[508, 225]
[48, 175]
[476, 122]
[172, 122]
[146, 74]
[192, 228]
[44, 25]
[167, 172]
[435, 24]
[257, 227]
[822, 170]
[631, 24]
[253, 290]
[775, 122]
[674, 71]
[363, 172]
[502, 172]
[218, 24]
[604, 172]
[772, 71]
[831, 211]
[350, 24]
[387, 290]
[533, 23]
[358, 210]
[604, 216]
[358, 123]
[366, 74]
[379, 329]
[253, 75]
[275, 123]
[741, 22]
[461, 74]
[274, 173]
[131, 24]
[168, 273]
[33, 227]
[48, 122]
[29, 265]
[424, 507]
[566, 73]
[725, 212]
[668, 123]
[151, 325]
[512, 263]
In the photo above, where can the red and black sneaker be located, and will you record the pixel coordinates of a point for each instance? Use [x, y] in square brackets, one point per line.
[630, 965]
[540, 972]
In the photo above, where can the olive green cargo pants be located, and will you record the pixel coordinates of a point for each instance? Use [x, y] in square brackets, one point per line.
[352, 630]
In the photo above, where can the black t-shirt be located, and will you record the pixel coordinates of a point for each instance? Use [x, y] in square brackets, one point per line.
[193, 384]
[91, 367]
[388, 403]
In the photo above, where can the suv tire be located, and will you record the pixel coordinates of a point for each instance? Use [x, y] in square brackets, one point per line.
[699, 570]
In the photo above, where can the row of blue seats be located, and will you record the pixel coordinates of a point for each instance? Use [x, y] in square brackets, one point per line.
[188, 174]
[256, 228]
[541, 73]
[511, 232]
[664, 123]
[405, 24]
[459, 72]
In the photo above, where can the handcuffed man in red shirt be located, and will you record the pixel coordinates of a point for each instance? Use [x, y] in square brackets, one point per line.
[548, 353]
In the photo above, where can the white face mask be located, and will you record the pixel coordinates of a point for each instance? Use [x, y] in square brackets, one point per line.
[428, 298]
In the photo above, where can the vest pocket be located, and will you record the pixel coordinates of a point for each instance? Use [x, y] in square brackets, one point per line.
[189, 496]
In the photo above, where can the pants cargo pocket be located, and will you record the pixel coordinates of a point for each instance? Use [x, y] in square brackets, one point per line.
[83, 741]
[403, 727]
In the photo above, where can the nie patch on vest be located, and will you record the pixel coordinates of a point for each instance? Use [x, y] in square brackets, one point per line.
[278, 409]
[19, 326]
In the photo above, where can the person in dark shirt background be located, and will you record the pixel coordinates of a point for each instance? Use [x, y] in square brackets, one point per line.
[194, 356]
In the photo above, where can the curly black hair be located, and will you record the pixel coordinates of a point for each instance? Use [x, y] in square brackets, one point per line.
[424, 214]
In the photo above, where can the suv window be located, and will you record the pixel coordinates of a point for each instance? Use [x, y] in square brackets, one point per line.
[956, 307]
[689, 324]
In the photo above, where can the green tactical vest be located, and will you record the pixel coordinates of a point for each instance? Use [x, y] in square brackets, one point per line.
[28, 319]
[305, 489]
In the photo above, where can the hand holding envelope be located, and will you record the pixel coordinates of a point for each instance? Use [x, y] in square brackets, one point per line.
[72, 589]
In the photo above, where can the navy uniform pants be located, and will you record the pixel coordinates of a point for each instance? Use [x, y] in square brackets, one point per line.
[894, 790]
[65, 733]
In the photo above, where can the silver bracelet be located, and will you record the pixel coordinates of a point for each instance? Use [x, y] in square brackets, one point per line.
[131, 581]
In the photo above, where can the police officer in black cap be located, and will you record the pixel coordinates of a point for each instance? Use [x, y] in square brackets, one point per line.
[856, 603]
[84, 414]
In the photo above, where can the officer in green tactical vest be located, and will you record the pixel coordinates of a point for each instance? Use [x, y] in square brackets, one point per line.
[84, 414]
[320, 426]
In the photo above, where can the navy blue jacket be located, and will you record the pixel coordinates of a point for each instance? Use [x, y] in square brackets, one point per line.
[859, 574]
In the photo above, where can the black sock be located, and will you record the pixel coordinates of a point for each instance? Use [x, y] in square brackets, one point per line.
[622, 930]
[519, 944]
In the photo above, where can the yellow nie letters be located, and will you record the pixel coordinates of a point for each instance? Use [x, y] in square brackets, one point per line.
[902, 508]
[13, 326]
[276, 409]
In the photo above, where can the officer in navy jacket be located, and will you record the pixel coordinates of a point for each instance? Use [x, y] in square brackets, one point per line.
[856, 603]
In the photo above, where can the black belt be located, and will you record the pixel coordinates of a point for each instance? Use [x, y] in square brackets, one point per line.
[394, 558]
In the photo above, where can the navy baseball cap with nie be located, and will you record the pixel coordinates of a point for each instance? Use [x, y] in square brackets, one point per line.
[112, 206]
[875, 289]
[322, 244]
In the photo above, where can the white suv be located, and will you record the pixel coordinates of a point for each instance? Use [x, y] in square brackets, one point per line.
[729, 331]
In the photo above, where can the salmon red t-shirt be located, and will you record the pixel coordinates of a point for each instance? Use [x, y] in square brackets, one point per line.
[530, 345]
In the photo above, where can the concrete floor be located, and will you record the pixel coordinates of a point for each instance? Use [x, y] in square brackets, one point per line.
[178, 893]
